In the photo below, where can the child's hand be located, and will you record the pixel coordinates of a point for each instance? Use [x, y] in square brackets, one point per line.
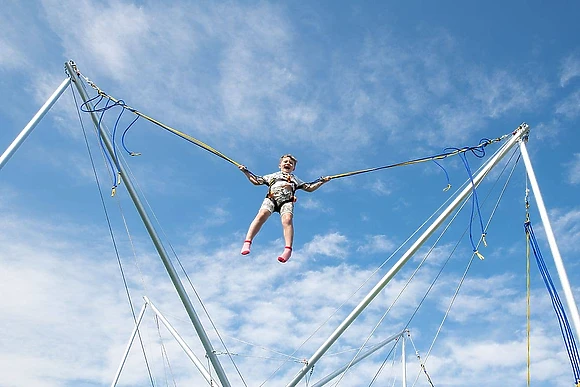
[243, 168]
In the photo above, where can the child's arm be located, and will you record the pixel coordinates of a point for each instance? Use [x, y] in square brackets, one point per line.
[256, 180]
[314, 186]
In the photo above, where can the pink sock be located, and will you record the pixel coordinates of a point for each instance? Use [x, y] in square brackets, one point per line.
[246, 247]
[285, 256]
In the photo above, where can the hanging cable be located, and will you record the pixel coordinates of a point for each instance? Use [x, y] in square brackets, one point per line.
[164, 355]
[469, 264]
[528, 293]
[421, 363]
[178, 260]
[478, 150]
[565, 329]
[112, 235]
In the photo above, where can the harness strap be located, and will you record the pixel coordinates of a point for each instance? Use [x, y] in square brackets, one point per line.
[269, 195]
[278, 206]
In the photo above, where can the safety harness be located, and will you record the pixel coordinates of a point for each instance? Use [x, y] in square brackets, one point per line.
[279, 202]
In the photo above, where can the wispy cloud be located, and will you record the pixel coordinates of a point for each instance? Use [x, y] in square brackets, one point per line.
[570, 68]
[377, 244]
[569, 107]
[566, 223]
[331, 245]
[574, 170]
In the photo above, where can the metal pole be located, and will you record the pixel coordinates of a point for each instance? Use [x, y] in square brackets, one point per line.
[183, 345]
[518, 133]
[124, 359]
[551, 240]
[404, 360]
[33, 122]
[360, 358]
[154, 237]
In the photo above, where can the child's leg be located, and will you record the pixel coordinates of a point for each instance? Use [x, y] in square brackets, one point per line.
[288, 228]
[257, 223]
[254, 228]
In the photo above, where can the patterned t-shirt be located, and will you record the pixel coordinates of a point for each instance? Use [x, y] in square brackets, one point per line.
[283, 185]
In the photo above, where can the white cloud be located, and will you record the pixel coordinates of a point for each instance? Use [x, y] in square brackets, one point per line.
[566, 225]
[570, 68]
[574, 170]
[569, 107]
[377, 244]
[314, 204]
[10, 56]
[380, 188]
[331, 245]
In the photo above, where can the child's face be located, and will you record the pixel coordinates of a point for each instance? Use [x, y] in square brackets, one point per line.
[287, 165]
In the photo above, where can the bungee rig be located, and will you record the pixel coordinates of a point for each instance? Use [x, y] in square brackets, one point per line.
[111, 102]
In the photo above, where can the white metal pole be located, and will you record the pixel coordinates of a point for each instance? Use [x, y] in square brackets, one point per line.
[209, 351]
[518, 133]
[360, 358]
[124, 359]
[183, 345]
[572, 307]
[404, 359]
[32, 123]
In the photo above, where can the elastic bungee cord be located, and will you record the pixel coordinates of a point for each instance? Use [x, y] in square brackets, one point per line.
[113, 163]
[477, 150]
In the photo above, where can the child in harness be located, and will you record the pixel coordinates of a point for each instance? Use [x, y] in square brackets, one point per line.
[282, 187]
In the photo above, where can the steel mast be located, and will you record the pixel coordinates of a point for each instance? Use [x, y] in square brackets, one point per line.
[210, 352]
[518, 134]
[551, 239]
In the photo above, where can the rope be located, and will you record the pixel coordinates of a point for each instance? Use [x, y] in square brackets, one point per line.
[452, 302]
[477, 150]
[111, 233]
[528, 294]
[383, 364]
[423, 368]
[565, 329]
[164, 355]
[474, 206]
[154, 216]
[178, 133]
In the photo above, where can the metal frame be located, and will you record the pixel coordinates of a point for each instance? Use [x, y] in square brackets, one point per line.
[520, 136]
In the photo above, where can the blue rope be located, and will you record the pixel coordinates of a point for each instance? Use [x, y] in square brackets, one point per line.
[446, 176]
[109, 104]
[565, 328]
[479, 152]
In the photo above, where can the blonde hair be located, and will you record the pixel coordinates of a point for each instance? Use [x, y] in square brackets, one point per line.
[290, 157]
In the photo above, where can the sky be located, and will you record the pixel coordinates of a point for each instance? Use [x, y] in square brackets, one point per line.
[343, 86]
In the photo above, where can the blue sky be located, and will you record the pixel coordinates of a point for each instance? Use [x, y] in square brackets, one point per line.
[343, 86]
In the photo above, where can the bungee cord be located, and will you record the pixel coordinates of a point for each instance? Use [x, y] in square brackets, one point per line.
[110, 103]
[469, 264]
[477, 150]
[407, 283]
[112, 235]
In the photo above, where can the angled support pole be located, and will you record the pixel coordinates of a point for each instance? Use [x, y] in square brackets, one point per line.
[568, 295]
[361, 357]
[209, 351]
[183, 345]
[33, 122]
[129, 344]
[520, 132]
